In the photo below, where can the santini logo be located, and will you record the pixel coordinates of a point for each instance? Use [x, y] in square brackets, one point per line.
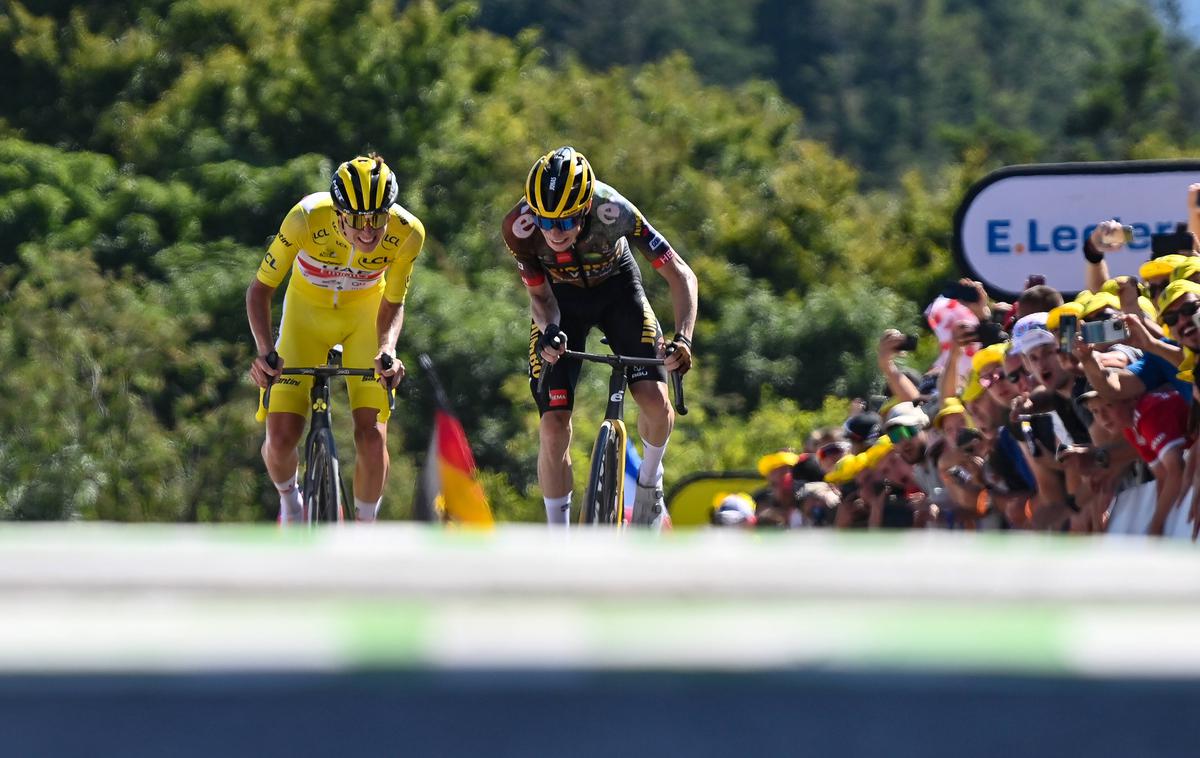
[1005, 237]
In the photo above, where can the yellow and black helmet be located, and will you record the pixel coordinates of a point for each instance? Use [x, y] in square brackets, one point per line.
[364, 185]
[560, 184]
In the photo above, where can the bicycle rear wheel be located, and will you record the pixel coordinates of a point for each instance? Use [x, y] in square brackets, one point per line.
[322, 485]
[602, 503]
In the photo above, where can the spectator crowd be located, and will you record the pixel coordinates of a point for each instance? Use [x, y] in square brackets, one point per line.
[1053, 414]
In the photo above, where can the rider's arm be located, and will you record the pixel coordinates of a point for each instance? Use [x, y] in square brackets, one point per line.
[543, 306]
[276, 263]
[388, 324]
[258, 313]
[399, 271]
[682, 280]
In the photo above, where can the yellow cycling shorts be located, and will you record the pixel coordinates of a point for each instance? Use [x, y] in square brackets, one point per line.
[306, 333]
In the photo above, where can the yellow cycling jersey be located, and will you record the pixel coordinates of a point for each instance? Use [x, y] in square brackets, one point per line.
[327, 270]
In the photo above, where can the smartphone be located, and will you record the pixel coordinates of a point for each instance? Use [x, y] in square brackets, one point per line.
[1127, 230]
[1068, 325]
[1045, 433]
[909, 344]
[1100, 332]
[990, 333]
[1034, 280]
[961, 292]
[960, 474]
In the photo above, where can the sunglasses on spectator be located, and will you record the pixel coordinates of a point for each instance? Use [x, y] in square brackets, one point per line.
[1015, 376]
[898, 434]
[1187, 310]
[366, 220]
[566, 224]
[990, 378]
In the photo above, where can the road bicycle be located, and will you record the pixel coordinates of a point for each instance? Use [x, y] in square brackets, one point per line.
[604, 498]
[323, 492]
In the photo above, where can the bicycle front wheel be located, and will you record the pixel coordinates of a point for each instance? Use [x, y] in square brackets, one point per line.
[321, 493]
[602, 503]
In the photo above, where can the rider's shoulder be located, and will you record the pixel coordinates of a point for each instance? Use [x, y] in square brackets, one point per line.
[316, 203]
[518, 225]
[610, 207]
[402, 220]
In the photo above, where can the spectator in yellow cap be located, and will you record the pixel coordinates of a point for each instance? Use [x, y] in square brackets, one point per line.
[988, 365]
[951, 420]
[1158, 366]
[776, 468]
[1189, 269]
[1156, 272]
[733, 509]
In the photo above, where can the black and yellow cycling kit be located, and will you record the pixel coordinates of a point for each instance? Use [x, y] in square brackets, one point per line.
[596, 283]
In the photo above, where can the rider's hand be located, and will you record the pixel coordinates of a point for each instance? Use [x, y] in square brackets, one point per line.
[552, 344]
[389, 377]
[261, 371]
[678, 354]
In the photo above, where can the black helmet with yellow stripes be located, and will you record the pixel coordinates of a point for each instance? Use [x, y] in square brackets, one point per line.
[560, 184]
[364, 185]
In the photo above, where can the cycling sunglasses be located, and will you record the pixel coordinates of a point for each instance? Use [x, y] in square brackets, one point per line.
[1187, 310]
[566, 224]
[366, 220]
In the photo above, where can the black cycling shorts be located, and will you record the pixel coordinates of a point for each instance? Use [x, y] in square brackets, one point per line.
[618, 306]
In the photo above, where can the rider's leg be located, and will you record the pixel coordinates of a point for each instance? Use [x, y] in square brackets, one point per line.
[371, 462]
[554, 465]
[656, 418]
[282, 458]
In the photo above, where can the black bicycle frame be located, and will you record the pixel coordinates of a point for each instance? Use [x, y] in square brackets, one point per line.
[619, 379]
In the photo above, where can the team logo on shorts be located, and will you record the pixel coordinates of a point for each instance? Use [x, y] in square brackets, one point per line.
[558, 398]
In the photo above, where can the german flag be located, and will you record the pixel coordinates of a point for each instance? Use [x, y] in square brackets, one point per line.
[448, 490]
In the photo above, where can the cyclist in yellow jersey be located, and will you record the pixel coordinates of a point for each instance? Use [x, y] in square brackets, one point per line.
[350, 252]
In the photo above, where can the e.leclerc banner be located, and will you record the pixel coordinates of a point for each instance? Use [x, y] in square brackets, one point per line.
[1024, 220]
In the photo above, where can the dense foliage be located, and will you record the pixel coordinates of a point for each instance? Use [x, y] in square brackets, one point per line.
[148, 148]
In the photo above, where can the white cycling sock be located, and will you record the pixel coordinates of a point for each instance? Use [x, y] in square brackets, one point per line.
[291, 506]
[651, 472]
[558, 510]
[366, 510]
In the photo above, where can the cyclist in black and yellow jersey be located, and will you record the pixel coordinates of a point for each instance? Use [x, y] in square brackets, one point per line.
[571, 238]
[350, 252]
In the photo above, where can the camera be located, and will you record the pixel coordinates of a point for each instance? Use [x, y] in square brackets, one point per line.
[1068, 325]
[909, 344]
[961, 292]
[1169, 243]
[990, 333]
[1100, 332]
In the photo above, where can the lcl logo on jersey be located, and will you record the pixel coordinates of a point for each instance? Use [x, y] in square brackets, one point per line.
[269, 260]
[391, 240]
[320, 234]
[378, 260]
